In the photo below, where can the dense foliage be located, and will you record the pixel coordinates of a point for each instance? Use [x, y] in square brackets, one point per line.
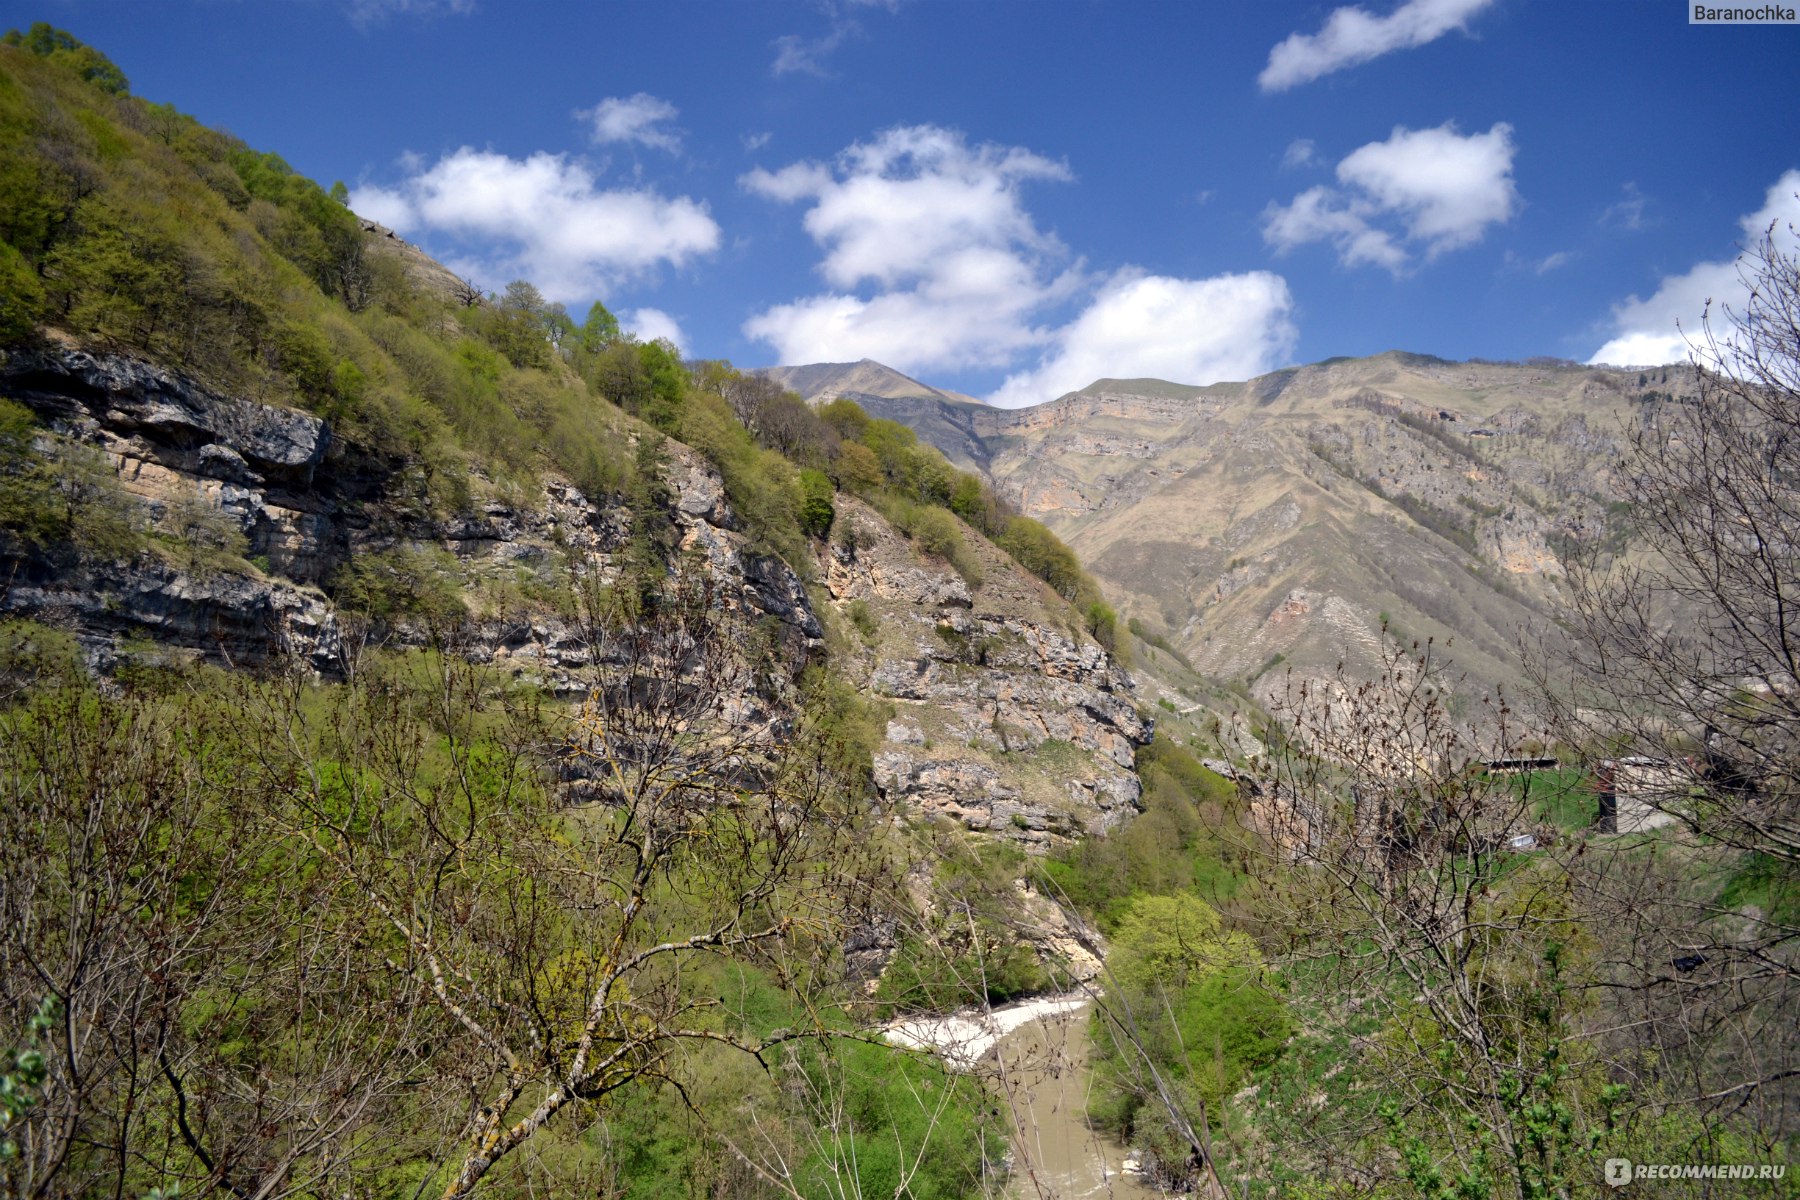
[287, 932]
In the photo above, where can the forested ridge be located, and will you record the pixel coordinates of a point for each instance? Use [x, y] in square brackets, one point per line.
[420, 923]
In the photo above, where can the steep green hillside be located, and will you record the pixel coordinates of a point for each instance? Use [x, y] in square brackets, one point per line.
[446, 748]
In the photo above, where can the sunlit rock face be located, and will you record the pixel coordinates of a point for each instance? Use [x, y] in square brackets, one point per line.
[1007, 718]
[307, 503]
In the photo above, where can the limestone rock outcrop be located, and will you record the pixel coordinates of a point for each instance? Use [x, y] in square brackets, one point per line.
[1007, 717]
[307, 504]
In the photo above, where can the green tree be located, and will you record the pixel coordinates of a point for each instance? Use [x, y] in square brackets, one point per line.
[846, 417]
[1188, 1012]
[1172, 941]
[515, 325]
[857, 469]
[599, 329]
[21, 296]
[67, 51]
[667, 384]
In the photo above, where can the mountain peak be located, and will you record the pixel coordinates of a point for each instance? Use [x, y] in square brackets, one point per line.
[820, 382]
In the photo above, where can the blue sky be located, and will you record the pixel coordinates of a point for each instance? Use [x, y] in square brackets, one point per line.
[1012, 198]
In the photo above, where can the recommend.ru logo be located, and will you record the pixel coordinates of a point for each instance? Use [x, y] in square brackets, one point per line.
[1621, 1171]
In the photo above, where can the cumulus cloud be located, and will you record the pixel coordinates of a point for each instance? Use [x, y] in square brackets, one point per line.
[643, 119]
[927, 245]
[1355, 35]
[1186, 330]
[649, 324]
[543, 218]
[934, 262]
[1648, 332]
[1422, 190]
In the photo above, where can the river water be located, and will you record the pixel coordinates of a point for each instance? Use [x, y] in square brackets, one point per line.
[1036, 1053]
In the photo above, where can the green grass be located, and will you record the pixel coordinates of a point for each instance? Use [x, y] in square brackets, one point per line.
[1564, 796]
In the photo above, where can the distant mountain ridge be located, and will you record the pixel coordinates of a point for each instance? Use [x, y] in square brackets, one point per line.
[1276, 522]
[946, 419]
[819, 382]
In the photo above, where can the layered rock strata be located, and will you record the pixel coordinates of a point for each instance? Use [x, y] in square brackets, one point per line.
[306, 504]
[1007, 718]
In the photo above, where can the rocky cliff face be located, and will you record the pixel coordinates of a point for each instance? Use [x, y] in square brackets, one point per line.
[1007, 718]
[306, 504]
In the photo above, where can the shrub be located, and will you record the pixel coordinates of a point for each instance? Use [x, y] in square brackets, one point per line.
[201, 536]
[816, 509]
[407, 581]
[938, 533]
[862, 618]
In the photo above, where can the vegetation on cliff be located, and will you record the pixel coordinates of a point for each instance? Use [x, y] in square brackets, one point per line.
[426, 927]
[419, 929]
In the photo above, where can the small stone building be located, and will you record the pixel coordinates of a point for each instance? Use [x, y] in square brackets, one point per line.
[1638, 794]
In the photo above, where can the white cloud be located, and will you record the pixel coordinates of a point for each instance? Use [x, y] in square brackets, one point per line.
[797, 53]
[1649, 331]
[933, 261]
[1539, 266]
[1631, 214]
[1323, 214]
[649, 324]
[951, 267]
[385, 206]
[1186, 330]
[543, 218]
[804, 55]
[366, 13]
[755, 141]
[1551, 262]
[1354, 35]
[642, 118]
[1429, 190]
[1298, 154]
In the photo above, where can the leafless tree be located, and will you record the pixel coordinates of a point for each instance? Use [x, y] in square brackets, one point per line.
[219, 1026]
[1406, 882]
[749, 395]
[1686, 659]
[467, 292]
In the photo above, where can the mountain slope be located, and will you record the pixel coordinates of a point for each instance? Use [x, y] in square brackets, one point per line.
[945, 419]
[819, 382]
[1278, 521]
[299, 436]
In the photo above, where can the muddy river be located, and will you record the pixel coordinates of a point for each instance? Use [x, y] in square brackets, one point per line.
[1036, 1054]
